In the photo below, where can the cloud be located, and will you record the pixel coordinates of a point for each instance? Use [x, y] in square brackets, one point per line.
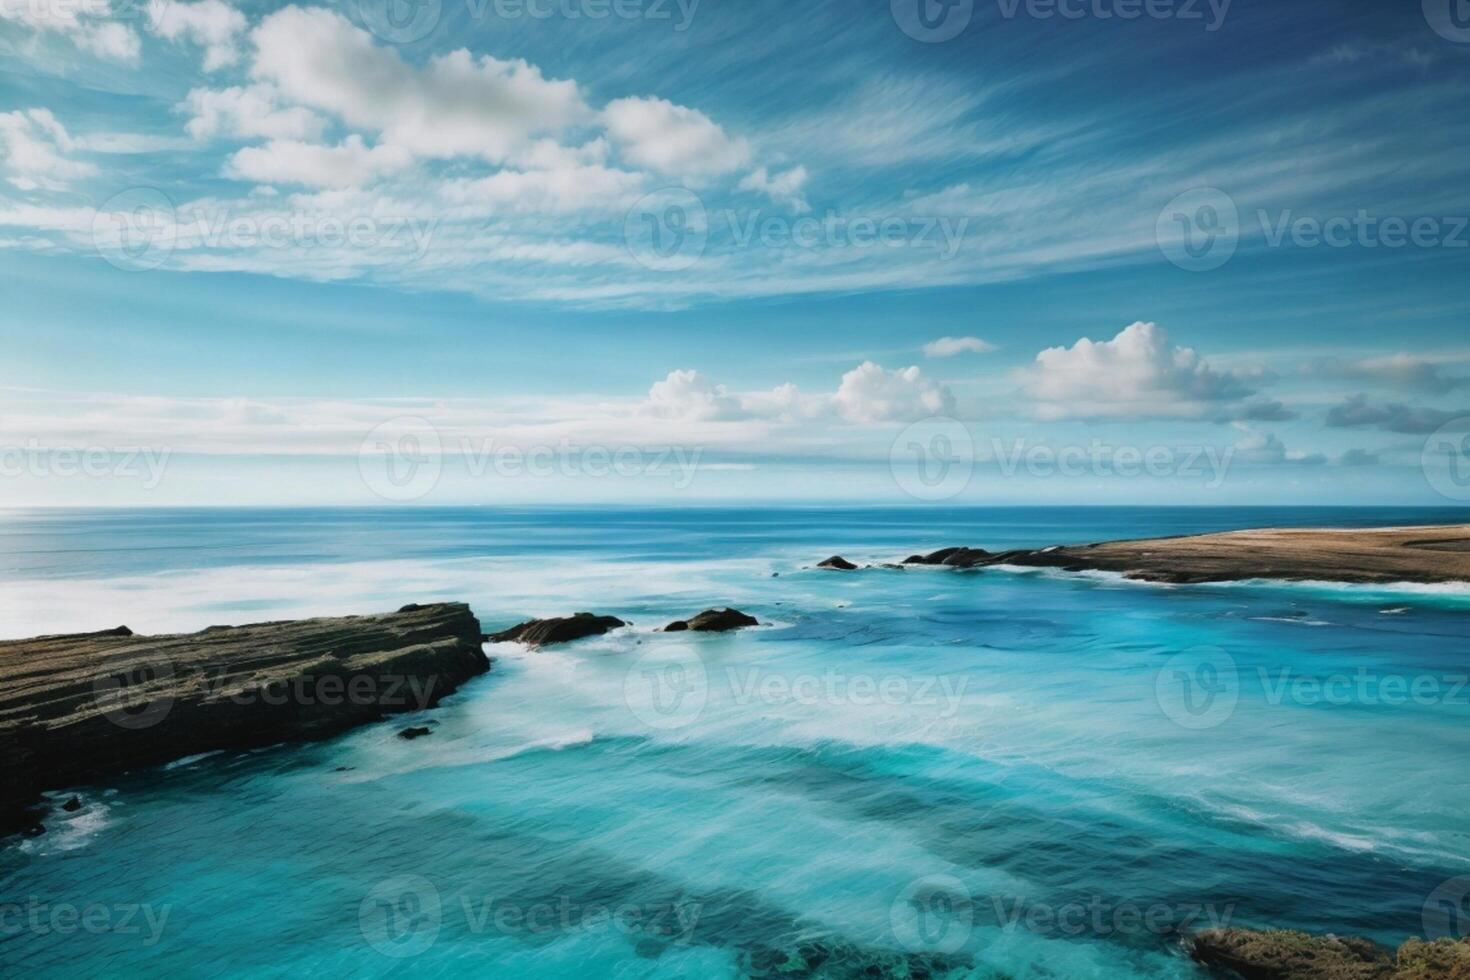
[1268, 449]
[349, 164]
[869, 393]
[455, 105]
[253, 112]
[211, 24]
[1138, 374]
[950, 346]
[1357, 457]
[36, 151]
[1357, 412]
[690, 396]
[546, 191]
[672, 139]
[1400, 370]
[783, 188]
[93, 33]
[1259, 410]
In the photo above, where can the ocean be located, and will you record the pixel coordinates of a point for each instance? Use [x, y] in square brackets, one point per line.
[920, 772]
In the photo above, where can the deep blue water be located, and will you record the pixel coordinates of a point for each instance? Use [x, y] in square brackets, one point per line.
[1034, 774]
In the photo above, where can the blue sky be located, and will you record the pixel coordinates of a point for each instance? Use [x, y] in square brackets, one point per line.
[253, 238]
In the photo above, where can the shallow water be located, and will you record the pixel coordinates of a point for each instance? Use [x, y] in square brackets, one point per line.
[1005, 773]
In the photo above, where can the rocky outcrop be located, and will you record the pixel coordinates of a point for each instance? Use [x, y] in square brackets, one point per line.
[837, 563]
[713, 621]
[81, 708]
[952, 558]
[1378, 555]
[548, 632]
[1284, 955]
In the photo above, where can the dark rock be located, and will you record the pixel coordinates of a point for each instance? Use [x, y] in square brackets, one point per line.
[547, 632]
[34, 830]
[344, 769]
[72, 805]
[838, 563]
[409, 734]
[713, 621]
[79, 709]
[952, 557]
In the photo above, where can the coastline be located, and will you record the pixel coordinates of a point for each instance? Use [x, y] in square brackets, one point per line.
[1431, 554]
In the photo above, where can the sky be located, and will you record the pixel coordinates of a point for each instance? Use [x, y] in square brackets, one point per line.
[681, 251]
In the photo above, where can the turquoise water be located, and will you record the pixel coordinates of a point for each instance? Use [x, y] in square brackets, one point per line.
[998, 774]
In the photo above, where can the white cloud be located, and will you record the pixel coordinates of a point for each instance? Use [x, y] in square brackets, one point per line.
[950, 346]
[783, 188]
[36, 151]
[211, 24]
[250, 112]
[456, 105]
[673, 139]
[349, 164]
[690, 396]
[111, 40]
[869, 393]
[1138, 374]
[542, 191]
[93, 33]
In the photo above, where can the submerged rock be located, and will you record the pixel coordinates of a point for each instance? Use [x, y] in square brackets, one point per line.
[713, 621]
[409, 734]
[838, 563]
[72, 805]
[548, 632]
